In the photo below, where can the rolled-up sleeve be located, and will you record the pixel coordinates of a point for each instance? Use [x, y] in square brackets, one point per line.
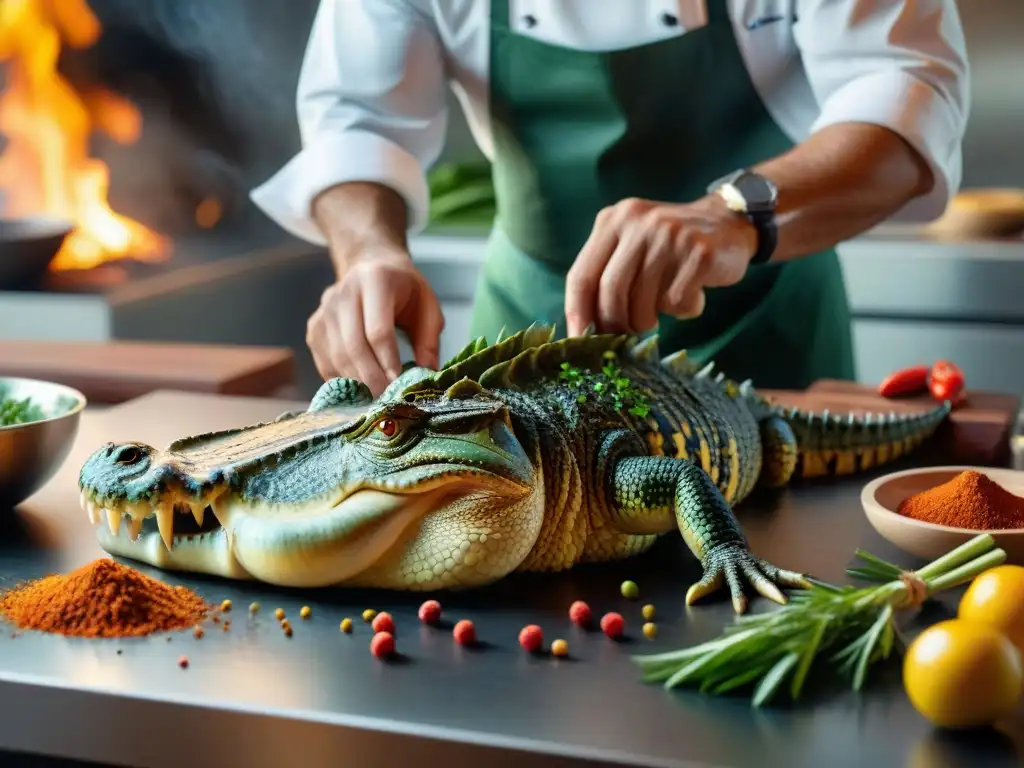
[895, 64]
[371, 107]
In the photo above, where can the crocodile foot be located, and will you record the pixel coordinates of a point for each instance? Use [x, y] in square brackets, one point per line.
[732, 564]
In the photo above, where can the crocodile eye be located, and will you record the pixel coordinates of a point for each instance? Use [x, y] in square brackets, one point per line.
[388, 427]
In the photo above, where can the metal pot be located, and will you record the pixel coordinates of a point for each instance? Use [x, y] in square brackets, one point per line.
[27, 246]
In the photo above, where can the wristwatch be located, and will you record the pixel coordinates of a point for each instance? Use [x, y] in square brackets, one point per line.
[754, 196]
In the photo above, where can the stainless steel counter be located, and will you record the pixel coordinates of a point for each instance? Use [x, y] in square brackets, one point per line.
[253, 697]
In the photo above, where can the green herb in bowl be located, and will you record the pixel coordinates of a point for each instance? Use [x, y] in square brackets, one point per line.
[14, 411]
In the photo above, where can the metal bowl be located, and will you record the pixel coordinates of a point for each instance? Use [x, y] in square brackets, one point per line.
[27, 246]
[31, 454]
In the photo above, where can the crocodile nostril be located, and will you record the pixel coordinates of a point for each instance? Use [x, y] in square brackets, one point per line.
[127, 455]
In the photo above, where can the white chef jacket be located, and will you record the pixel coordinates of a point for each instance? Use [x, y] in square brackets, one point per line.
[372, 90]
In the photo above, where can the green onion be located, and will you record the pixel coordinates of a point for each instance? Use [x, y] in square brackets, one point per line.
[847, 628]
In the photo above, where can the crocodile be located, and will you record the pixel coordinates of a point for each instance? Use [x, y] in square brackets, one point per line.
[528, 454]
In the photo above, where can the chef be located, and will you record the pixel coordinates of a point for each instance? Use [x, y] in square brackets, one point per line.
[685, 165]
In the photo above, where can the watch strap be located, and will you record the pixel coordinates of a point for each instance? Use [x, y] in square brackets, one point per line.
[767, 236]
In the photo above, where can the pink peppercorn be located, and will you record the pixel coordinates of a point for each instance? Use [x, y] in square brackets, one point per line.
[580, 614]
[612, 624]
[383, 622]
[382, 645]
[464, 632]
[531, 638]
[430, 612]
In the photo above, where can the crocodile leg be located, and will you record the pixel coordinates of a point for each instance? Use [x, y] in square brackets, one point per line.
[651, 493]
[780, 452]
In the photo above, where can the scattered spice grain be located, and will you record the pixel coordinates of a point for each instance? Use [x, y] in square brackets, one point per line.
[198, 632]
[612, 624]
[346, 625]
[279, 614]
[183, 662]
[580, 613]
[971, 500]
[650, 630]
[647, 612]
[629, 590]
[383, 622]
[305, 612]
[102, 599]
[368, 615]
[430, 612]
[559, 648]
[464, 632]
[382, 645]
[225, 606]
[254, 607]
[531, 638]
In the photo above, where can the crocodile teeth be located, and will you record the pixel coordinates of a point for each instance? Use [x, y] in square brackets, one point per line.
[222, 511]
[134, 528]
[198, 512]
[165, 522]
[113, 521]
[93, 511]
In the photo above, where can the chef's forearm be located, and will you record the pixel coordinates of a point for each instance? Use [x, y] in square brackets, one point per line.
[840, 182]
[360, 216]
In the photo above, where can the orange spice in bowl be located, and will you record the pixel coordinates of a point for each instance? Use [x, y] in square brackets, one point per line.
[971, 500]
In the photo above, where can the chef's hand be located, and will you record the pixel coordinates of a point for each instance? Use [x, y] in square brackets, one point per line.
[352, 332]
[644, 258]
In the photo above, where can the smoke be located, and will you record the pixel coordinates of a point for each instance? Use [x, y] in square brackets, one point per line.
[216, 83]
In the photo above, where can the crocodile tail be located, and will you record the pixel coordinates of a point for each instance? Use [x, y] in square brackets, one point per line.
[831, 444]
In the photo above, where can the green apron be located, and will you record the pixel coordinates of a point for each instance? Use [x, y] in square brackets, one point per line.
[576, 131]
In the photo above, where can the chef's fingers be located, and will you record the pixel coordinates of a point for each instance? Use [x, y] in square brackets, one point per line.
[649, 283]
[425, 330]
[378, 302]
[353, 335]
[685, 294]
[584, 277]
[616, 286]
[321, 346]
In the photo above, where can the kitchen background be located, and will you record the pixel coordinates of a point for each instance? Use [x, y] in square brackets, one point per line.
[213, 86]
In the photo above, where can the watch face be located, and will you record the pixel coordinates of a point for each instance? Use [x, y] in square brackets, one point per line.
[759, 193]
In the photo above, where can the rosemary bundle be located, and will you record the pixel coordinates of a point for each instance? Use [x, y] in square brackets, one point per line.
[848, 628]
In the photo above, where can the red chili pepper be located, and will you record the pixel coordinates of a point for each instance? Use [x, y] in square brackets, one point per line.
[908, 381]
[947, 389]
[946, 371]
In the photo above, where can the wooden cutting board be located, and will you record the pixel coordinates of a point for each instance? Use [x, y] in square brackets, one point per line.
[977, 432]
[114, 372]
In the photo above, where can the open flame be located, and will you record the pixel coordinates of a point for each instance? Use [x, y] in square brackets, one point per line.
[45, 167]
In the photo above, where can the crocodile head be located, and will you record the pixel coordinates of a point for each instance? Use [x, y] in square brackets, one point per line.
[410, 492]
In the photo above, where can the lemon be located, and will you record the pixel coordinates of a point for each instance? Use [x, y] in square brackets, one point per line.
[960, 674]
[996, 598]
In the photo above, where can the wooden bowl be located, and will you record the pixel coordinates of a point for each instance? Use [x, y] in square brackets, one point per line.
[881, 498]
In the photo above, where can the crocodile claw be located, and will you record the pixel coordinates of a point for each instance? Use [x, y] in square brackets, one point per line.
[732, 564]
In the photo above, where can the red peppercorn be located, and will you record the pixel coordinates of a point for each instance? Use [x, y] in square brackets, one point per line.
[464, 632]
[430, 612]
[580, 614]
[383, 622]
[531, 638]
[382, 645]
[612, 624]
[183, 662]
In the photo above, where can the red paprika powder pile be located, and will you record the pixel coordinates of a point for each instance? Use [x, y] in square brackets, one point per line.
[102, 599]
[970, 500]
